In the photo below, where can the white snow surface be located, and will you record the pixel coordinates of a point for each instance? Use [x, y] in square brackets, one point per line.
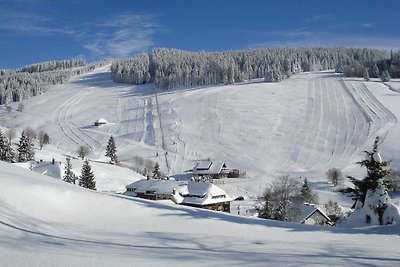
[46, 222]
[301, 126]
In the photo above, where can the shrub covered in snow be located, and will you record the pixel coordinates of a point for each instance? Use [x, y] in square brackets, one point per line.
[378, 209]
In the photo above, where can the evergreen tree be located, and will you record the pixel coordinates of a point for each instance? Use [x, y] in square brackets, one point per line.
[156, 171]
[25, 149]
[306, 195]
[375, 173]
[385, 76]
[87, 177]
[375, 71]
[366, 75]
[111, 151]
[3, 147]
[69, 176]
[9, 152]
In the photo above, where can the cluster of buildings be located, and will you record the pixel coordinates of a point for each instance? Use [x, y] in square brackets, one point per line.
[202, 193]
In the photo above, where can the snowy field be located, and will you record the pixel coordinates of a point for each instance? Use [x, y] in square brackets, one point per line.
[302, 126]
[45, 222]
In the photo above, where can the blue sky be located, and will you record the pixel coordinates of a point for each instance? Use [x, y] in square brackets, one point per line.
[39, 30]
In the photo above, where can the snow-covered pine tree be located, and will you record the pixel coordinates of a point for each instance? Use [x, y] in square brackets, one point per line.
[25, 149]
[3, 147]
[375, 172]
[156, 171]
[375, 71]
[69, 176]
[385, 76]
[111, 151]
[366, 75]
[87, 177]
[10, 155]
[373, 203]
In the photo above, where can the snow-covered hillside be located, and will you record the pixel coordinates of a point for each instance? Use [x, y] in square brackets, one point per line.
[46, 222]
[301, 126]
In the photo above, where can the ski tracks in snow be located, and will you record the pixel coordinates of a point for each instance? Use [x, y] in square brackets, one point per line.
[63, 115]
[340, 117]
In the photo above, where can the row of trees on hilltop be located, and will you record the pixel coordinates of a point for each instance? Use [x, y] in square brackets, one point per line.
[172, 68]
[32, 80]
[53, 65]
[382, 68]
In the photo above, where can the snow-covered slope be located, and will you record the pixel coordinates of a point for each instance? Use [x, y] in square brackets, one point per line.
[46, 222]
[301, 126]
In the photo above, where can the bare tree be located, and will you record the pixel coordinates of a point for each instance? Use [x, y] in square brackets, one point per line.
[334, 176]
[281, 200]
[30, 134]
[10, 134]
[393, 180]
[43, 139]
[139, 162]
[334, 211]
[83, 151]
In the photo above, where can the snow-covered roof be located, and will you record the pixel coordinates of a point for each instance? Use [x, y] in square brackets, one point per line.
[49, 169]
[307, 210]
[195, 193]
[101, 120]
[158, 186]
[207, 167]
[204, 194]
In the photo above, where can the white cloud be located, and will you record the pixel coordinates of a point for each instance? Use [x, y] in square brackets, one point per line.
[118, 36]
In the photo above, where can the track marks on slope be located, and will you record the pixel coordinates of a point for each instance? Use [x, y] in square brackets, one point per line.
[63, 115]
[339, 118]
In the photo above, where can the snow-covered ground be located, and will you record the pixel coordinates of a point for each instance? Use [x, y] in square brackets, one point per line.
[302, 126]
[46, 222]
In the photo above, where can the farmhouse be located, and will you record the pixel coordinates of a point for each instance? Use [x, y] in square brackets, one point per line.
[203, 195]
[100, 121]
[207, 196]
[310, 214]
[155, 189]
[214, 170]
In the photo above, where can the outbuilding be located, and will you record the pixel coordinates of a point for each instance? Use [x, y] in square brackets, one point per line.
[100, 121]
